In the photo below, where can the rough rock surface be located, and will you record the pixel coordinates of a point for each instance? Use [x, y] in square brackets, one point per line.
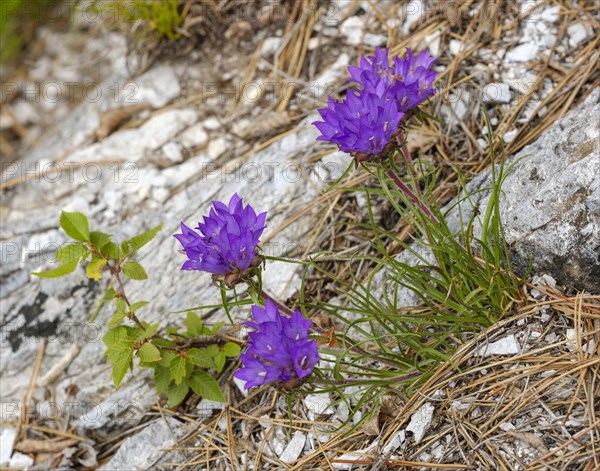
[125, 184]
[550, 206]
[147, 449]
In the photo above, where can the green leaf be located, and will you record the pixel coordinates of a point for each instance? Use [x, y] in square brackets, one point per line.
[134, 271]
[138, 305]
[164, 343]
[212, 330]
[219, 360]
[231, 349]
[114, 336]
[200, 358]
[135, 334]
[121, 357]
[148, 353]
[95, 267]
[151, 329]
[108, 295]
[206, 386]
[116, 318]
[139, 241]
[75, 226]
[120, 304]
[162, 378]
[176, 393]
[71, 253]
[172, 330]
[111, 250]
[194, 324]
[167, 357]
[58, 271]
[99, 239]
[189, 367]
[177, 367]
[213, 350]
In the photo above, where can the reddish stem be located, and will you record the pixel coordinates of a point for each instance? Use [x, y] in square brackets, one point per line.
[408, 192]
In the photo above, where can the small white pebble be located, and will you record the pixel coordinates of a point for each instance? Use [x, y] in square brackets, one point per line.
[505, 346]
[420, 421]
[294, 448]
[506, 426]
[497, 93]
[510, 135]
[318, 404]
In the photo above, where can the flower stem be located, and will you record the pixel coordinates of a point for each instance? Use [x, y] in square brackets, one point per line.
[409, 193]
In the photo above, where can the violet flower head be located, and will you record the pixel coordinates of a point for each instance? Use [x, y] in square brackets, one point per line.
[227, 239]
[409, 79]
[363, 122]
[279, 349]
[413, 79]
[367, 119]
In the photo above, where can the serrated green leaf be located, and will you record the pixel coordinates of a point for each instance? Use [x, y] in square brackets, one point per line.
[212, 330]
[206, 386]
[138, 305]
[176, 393]
[231, 349]
[99, 239]
[194, 324]
[120, 304]
[116, 318]
[201, 358]
[134, 270]
[71, 253]
[121, 361]
[108, 295]
[167, 358]
[219, 360]
[212, 350]
[111, 250]
[177, 367]
[58, 271]
[95, 267]
[139, 241]
[164, 343]
[172, 330]
[135, 334]
[148, 353]
[75, 225]
[114, 336]
[162, 379]
[151, 329]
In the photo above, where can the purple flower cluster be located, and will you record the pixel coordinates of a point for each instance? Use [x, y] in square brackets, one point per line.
[227, 240]
[366, 119]
[279, 349]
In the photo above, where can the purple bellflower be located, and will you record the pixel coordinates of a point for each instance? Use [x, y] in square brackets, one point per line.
[363, 122]
[279, 349]
[367, 119]
[227, 242]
